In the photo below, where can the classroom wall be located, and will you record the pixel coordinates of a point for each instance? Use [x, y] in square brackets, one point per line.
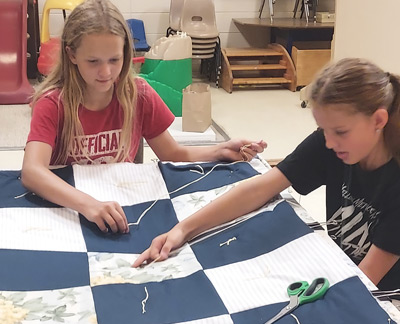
[155, 15]
[369, 29]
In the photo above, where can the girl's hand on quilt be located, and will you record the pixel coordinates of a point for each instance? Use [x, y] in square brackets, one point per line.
[161, 246]
[107, 215]
[238, 149]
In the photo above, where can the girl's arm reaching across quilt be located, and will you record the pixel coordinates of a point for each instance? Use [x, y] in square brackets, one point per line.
[244, 198]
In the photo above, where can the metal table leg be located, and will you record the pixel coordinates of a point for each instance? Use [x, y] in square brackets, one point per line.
[271, 9]
[296, 7]
[306, 9]
[261, 8]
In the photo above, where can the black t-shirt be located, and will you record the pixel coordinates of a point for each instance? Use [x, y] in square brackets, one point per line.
[362, 207]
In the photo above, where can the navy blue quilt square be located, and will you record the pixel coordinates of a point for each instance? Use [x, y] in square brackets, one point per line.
[258, 235]
[23, 270]
[177, 176]
[159, 219]
[17, 195]
[346, 302]
[169, 301]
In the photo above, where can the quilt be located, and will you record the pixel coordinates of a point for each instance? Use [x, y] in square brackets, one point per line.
[57, 267]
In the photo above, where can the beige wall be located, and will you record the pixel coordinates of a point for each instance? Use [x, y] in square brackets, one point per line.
[369, 29]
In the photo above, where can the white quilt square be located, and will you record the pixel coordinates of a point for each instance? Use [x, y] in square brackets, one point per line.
[43, 229]
[126, 183]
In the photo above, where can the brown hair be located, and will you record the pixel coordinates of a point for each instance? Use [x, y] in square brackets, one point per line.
[91, 16]
[364, 86]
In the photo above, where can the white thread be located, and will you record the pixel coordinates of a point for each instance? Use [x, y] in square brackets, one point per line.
[328, 223]
[144, 213]
[205, 175]
[144, 301]
[228, 242]
[294, 316]
[236, 222]
[204, 236]
[155, 260]
[199, 172]
[184, 186]
[149, 264]
[24, 194]
[385, 293]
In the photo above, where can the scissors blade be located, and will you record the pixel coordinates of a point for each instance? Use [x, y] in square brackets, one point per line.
[282, 313]
[293, 303]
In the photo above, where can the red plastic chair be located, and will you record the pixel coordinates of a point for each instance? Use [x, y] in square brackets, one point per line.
[14, 85]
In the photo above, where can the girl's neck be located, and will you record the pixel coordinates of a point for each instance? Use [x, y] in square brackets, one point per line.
[97, 101]
[378, 157]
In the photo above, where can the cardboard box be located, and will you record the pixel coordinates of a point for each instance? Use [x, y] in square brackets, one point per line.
[308, 60]
[325, 17]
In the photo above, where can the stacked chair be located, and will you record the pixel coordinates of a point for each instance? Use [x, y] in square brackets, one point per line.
[175, 13]
[196, 18]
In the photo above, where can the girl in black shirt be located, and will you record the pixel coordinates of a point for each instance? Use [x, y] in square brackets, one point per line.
[355, 153]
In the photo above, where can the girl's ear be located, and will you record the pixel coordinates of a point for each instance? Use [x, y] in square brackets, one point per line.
[70, 54]
[381, 117]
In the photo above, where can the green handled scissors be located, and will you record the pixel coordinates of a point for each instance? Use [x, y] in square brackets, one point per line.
[300, 292]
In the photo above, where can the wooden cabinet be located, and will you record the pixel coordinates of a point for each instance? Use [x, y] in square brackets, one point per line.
[309, 58]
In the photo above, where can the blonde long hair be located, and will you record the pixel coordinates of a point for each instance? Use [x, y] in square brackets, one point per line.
[91, 16]
[366, 87]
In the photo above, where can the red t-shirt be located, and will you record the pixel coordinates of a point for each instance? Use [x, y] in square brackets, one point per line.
[102, 129]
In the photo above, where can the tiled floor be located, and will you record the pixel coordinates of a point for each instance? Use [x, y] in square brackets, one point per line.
[272, 115]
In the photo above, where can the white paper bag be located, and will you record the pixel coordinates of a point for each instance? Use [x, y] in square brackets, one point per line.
[196, 107]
